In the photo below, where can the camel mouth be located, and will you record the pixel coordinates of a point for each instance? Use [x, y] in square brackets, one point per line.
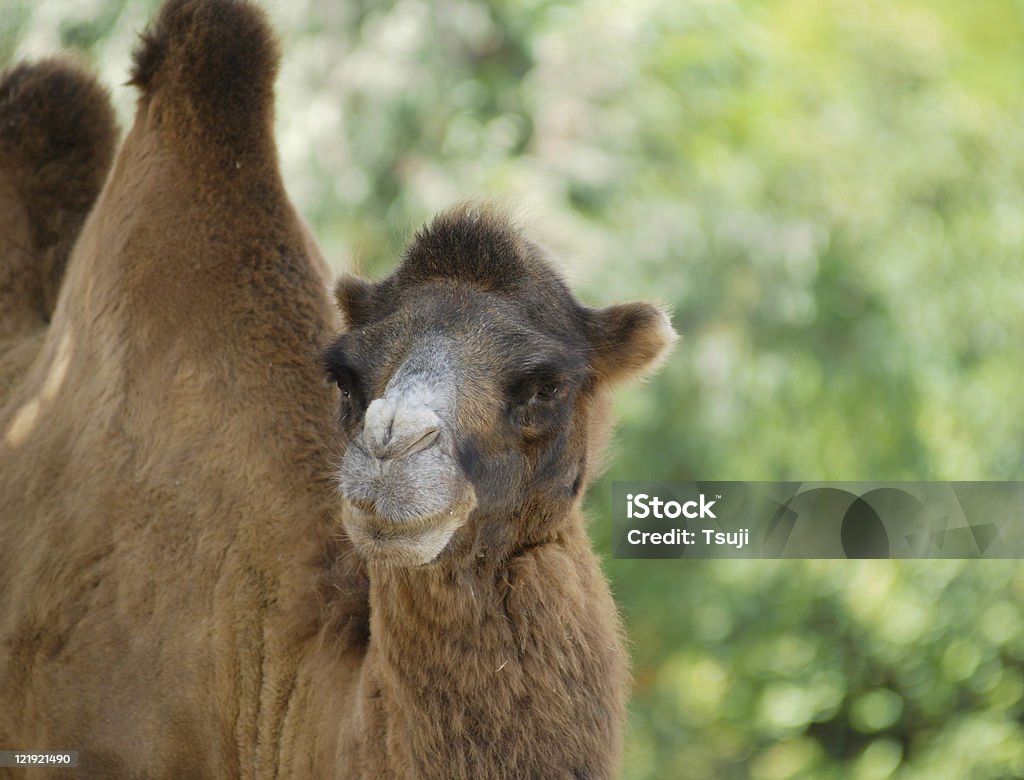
[415, 542]
[404, 509]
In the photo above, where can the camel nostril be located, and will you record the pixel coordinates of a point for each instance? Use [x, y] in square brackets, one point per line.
[392, 431]
[423, 442]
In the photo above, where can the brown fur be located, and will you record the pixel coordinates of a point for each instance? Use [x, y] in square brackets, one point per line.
[180, 596]
[57, 137]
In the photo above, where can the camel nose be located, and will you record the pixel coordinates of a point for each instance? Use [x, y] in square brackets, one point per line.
[392, 430]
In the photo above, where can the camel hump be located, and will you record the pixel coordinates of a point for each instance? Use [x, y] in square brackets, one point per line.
[57, 138]
[217, 59]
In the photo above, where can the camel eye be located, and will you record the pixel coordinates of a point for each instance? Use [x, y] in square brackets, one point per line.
[340, 370]
[547, 391]
[349, 386]
[347, 382]
[352, 404]
[344, 383]
[541, 386]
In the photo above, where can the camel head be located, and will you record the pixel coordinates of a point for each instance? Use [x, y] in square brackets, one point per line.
[473, 393]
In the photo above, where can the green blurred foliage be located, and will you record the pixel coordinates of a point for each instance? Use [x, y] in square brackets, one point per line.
[830, 195]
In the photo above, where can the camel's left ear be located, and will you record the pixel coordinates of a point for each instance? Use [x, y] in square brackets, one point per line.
[629, 340]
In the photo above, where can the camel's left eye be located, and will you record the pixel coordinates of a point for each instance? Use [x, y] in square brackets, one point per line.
[547, 391]
[543, 386]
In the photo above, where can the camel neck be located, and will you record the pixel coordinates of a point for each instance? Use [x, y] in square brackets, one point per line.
[480, 672]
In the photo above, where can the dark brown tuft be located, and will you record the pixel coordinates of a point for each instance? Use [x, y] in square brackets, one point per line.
[218, 56]
[57, 139]
[476, 244]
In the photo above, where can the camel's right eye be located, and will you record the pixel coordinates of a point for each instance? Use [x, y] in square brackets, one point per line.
[339, 370]
[352, 404]
[347, 384]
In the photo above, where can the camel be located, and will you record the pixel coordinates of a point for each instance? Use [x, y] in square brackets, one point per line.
[246, 533]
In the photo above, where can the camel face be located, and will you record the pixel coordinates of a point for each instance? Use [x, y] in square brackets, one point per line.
[468, 380]
[465, 407]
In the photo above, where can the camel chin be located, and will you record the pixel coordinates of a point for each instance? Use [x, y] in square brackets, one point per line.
[414, 542]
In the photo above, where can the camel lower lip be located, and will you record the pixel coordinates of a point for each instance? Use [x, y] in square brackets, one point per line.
[391, 527]
[406, 542]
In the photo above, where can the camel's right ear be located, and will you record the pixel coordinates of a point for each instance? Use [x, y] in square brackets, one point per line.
[629, 340]
[354, 296]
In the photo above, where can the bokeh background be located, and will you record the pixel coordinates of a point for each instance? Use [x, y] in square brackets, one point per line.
[830, 195]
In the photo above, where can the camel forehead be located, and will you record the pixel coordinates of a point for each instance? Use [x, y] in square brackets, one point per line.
[469, 314]
[468, 327]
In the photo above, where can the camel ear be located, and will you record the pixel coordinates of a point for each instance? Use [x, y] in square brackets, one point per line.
[354, 296]
[630, 340]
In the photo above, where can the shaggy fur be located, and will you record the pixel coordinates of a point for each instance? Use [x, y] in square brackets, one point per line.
[57, 137]
[180, 593]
